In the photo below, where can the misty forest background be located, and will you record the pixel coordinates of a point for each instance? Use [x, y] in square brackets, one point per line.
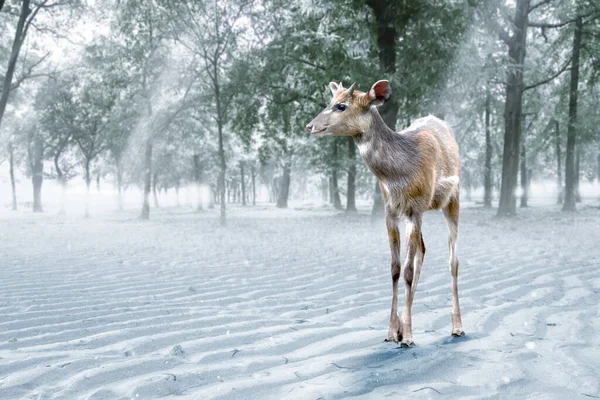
[150, 96]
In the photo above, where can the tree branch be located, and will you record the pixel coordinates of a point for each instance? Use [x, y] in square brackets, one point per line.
[546, 25]
[541, 3]
[308, 63]
[555, 75]
[565, 22]
[29, 73]
[31, 18]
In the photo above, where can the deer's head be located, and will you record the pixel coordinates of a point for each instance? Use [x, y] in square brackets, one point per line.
[348, 113]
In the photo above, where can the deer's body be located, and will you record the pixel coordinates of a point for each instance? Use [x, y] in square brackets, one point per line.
[418, 170]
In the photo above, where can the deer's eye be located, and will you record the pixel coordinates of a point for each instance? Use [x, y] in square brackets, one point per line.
[340, 107]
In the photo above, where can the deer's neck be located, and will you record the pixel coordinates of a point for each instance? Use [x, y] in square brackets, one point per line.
[391, 156]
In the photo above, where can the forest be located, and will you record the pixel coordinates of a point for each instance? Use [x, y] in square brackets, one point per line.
[154, 96]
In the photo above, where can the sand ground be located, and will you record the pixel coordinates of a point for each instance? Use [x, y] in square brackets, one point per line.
[294, 304]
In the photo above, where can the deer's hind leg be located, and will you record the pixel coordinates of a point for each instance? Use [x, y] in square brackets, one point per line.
[451, 212]
[395, 329]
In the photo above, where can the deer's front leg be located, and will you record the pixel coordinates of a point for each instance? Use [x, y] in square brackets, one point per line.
[395, 329]
[411, 275]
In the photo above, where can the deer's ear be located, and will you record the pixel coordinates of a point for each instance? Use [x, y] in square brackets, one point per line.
[335, 87]
[380, 92]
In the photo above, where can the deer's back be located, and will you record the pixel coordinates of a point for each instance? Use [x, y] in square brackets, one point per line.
[438, 169]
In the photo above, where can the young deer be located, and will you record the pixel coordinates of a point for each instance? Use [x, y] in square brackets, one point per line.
[418, 170]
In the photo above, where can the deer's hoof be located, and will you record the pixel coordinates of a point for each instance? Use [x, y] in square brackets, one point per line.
[394, 337]
[405, 344]
[458, 332]
[394, 331]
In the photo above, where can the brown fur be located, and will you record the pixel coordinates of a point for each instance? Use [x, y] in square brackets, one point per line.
[418, 170]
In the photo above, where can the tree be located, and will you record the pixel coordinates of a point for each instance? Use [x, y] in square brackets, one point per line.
[209, 32]
[487, 196]
[570, 170]
[92, 107]
[515, 88]
[513, 108]
[27, 15]
[55, 103]
[35, 155]
[140, 24]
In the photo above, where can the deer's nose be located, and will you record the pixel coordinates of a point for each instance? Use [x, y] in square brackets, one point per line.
[309, 127]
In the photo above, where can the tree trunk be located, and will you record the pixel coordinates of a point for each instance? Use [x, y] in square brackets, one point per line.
[154, 189]
[119, 182]
[284, 187]
[212, 199]
[524, 180]
[467, 183]
[597, 169]
[88, 183]
[61, 181]
[147, 179]
[223, 165]
[11, 171]
[351, 195]
[386, 20]
[487, 185]
[324, 189]
[273, 190]
[507, 205]
[253, 186]
[570, 170]
[559, 190]
[529, 177]
[577, 173]
[14, 56]
[335, 192]
[37, 177]
[243, 184]
[198, 179]
[378, 207]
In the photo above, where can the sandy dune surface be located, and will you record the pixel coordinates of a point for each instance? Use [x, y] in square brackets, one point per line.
[294, 304]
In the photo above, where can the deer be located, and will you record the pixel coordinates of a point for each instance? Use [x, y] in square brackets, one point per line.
[418, 170]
